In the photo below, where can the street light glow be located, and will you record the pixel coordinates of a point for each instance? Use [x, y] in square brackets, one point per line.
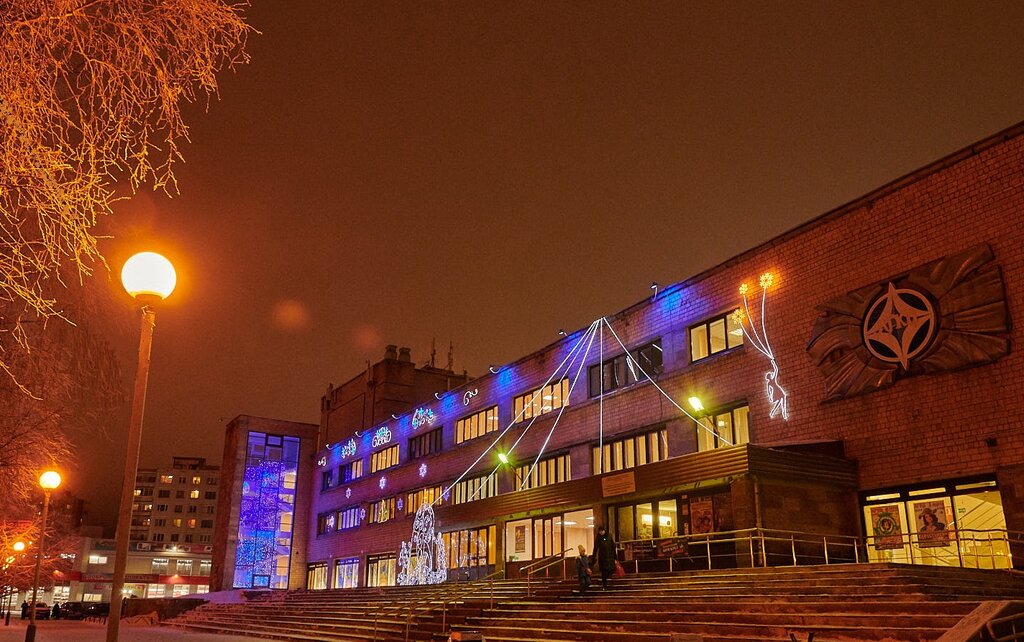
[19, 547]
[503, 457]
[49, 480]
[148, 273]
[696, 404]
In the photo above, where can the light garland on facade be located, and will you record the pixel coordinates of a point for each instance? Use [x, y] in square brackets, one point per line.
[422, 560]
[381, 437]
[348, 449]
[422, 417]
[383, 482]
[778, 398]
[423, 470]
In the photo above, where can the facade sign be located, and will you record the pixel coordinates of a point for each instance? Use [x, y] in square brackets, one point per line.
[620, 484]
[886, 527]
[947, 315]
[931, 521]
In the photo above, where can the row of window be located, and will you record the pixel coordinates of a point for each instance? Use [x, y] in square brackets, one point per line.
[187, 538]
[727, 428]
[178, 508]
[146, 491]
[161, 566]
[144, 478]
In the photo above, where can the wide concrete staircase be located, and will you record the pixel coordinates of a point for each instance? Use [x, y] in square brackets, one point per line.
[842, 602]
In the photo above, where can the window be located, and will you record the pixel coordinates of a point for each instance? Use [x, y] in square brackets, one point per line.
[381, 511]
[713, 336]
[158, 537]
[211, 481]
[176, 522]
[380, 570]
[384, 459]
[346, 573]
[210, 494]
[174, 537]
[193, 509]
[163, 494]
[348, 518]
[327, 480]
[97, 559]
[166, 479]
[204, 539]
[425, 444]
[204, 567]
[206, 523]
[325, 523]
[623, 370]
[316, 576]
[180, 589]
[196, 481]
[210, 509]
[155, 590]
[194, 494]
[548, 471]
[542, 400]
[482, 487]
[630, 452]
[181, 480]
[178, 508]
[161, 522]
[183, 567]
[179, 494]
[477, 424]
[417, 498]
[160, 565]
[161, 508]
[202, 588]
[191, 523]
[188, 538]
[727, 428]
[351, 471]
[470, 548]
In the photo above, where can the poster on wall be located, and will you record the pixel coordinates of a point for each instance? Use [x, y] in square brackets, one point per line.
[520, 545]
[931, 521]
[886, 527]
[702, 515]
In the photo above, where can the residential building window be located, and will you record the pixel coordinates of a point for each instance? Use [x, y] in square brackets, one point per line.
[204, 539]
[158, 537]
[206, 523]
[191, 523]
[211, 481]
[161, 522]
[552, 470]
[161, 508]
[193, 509]
[178, 508]
[210, 509]
[188, 539]
[163, 493]
[316, 576]
[183, 567]
[726, 428]
[417, 498]
[384, 459]
[210, 494]
[179, 494]
[630, 452]
[425, 444]
[477, 424]
[160, 565]
[625, 369]
[166, 479]
[196, 481]
[470, 548]
[381, 511]
[713, 336]
[351, 471]
[482, 487]
[204, 567]
[176, 522]
[97, 559]
[174, 537]
[542, 400]
[194, 494]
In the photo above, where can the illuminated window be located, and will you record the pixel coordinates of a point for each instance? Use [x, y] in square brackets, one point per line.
[316, 576]
[541, 400]
[350, 471]
[417, 498]
[381, 511]
[196, 481]
[155, 590]
[384, 459]
[160, 565]
[469, 490]
[425, 444]
[623, 370]
[166, 479]
[713, 336]
[346, 573]
[97, 559]
[381, 570]
[204, 567]
[470, 548]
[726, 428]
[183, 567]
[176, 522]
[191, 523]
[194, 494]
[630, 452]
[552, 470]
[476, 425]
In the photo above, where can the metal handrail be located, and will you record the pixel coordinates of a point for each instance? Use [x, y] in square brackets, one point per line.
[1016, 624]
[444, 605]
[552, 559]
[529, 566]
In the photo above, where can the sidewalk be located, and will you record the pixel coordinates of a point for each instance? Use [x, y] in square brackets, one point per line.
[72, 631]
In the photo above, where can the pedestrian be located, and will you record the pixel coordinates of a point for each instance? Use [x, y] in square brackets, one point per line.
[583, 569]
[24, 610]
[56, 611]
[604, 555]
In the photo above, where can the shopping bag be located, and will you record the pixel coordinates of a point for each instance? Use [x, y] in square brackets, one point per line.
[619, 571]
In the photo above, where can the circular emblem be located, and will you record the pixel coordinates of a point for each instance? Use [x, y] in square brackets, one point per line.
[899, 325]
[886, 525]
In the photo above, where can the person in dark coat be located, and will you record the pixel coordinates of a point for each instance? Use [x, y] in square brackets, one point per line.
[24, 610]
[56, 611]
[604, 555]
[583, 569]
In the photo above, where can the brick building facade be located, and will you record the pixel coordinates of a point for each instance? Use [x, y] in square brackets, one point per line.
[889, 339]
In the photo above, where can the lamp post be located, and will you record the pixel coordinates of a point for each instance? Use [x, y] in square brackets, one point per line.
[48, 481]
[150, 278]
[19, 547]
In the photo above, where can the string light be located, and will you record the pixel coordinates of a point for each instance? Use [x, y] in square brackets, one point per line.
[778, 398]
[348, 449]
[381, 437]
[423, 471]
[423, 417]
[422, 560]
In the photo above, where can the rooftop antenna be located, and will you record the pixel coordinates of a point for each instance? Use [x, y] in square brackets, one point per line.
[433, 351]
[451, 356]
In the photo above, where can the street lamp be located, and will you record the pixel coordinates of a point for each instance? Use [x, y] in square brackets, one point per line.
[19, 547]
[150, 278]
[47, 481]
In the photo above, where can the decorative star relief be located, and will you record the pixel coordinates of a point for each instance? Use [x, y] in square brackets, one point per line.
[899, 325]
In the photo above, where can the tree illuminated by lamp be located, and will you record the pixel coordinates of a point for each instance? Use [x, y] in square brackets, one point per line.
[777, 396]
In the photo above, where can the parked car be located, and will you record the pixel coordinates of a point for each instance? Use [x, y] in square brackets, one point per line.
[73, 610]
[42, 611]
[97, 609]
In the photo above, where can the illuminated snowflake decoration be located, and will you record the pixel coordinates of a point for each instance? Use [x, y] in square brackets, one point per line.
[322, 461]
[348, 493]
[383, 482]
[401, 504]
[381, 437]
[446, 494]
[422, 560]
[423, 417]
[778, 398]
[362, 513]
[423, 471]
[348, 449]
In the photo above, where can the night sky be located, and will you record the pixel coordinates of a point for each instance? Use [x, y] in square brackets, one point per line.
[487, 173]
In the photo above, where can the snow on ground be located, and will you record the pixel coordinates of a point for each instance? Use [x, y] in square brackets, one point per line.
[72, 631]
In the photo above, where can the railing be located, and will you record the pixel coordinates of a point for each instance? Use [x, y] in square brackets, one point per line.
[968, 548]
[542, 565]
[1009, 628]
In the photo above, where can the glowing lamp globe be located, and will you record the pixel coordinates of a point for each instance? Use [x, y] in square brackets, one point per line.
[19, 546]
[696, 404]
[148, 274]
[49, 480]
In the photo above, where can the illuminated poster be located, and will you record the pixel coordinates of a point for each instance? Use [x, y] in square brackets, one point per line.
[702, 515]
[886, 527]
[520, 546]
[931, 521]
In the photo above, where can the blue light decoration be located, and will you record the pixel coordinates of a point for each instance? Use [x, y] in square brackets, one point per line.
[381, 437]
[266, 512]
[423, 417]
[348, 449]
